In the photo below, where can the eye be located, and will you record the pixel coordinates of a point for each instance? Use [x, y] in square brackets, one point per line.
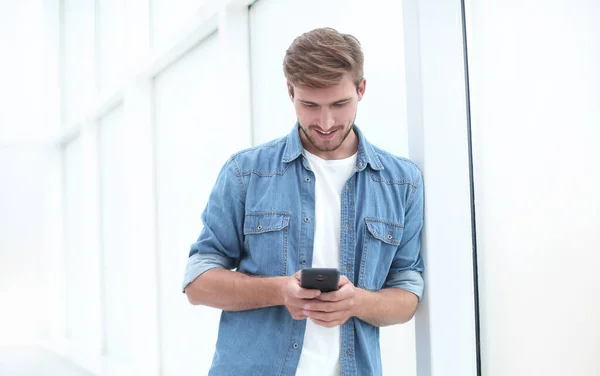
[310, 105]
[339, 105]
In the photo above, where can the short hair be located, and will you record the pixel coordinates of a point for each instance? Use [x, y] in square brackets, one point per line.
[321, 57]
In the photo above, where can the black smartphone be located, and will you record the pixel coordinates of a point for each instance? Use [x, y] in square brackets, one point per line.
[324, 279]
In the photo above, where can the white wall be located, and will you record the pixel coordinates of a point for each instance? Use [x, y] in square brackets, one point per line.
[29, 168]
[535, 102]
[25, 196]
[22, 71]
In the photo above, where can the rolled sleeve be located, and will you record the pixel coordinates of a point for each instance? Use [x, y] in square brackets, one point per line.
[407, 266]
[409, 280]
[220, 242]
[198, 263]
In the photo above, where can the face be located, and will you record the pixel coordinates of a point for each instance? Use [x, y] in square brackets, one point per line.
[326, 117]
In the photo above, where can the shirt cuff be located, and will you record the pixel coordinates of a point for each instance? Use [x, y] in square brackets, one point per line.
[197, 264]
[409, 280]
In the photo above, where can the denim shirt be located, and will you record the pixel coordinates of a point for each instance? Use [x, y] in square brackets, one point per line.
[260, 220]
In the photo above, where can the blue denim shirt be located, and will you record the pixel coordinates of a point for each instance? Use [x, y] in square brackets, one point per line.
[259, 220]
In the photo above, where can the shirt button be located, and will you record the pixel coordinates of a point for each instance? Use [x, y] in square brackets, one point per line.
[307, 180]
[306, 219]
[347, 187]
[347, 225]
[303, 262]
[295, 345]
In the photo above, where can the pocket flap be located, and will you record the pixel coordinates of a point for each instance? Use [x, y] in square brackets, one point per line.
[257, 223]
[385, 231]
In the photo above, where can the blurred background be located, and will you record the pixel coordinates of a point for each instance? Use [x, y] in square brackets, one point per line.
[116, 116]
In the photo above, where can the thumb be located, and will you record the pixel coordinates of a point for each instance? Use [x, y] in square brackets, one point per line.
[297, 275]
[343, 281]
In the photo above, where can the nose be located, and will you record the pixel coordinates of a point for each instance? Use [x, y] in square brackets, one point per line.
[327, 120]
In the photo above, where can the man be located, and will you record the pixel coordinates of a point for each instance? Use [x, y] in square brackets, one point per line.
[322, 196]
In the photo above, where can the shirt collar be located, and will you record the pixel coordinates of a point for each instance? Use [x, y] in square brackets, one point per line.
[366, 154]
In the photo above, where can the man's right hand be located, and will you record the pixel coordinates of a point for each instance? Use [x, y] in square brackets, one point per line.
[295, 297]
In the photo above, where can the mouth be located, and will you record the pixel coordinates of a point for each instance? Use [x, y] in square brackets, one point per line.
[325, 135]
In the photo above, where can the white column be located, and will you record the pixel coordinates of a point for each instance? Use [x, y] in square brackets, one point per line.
[438, 143]
[141, 198]
[90, 355]
[86, 349]
[234, 45]
[54, 265]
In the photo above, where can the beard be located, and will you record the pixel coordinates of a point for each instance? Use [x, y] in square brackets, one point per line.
[328, 147]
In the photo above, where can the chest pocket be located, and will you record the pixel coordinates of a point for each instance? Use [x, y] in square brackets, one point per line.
[265, 243]
[381, 241]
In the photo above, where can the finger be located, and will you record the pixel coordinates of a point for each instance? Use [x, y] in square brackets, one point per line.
[320, 316]
[336, 296]
[329, 296]
[299, 316]
[344, 292]
[306, 293]
[297, 313]
[299, 304]
[322, 307]
[324, 316]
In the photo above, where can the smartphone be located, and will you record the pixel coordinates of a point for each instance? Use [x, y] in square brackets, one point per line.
[323, 279]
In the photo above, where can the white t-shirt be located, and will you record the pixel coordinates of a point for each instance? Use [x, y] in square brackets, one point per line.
[321, 350]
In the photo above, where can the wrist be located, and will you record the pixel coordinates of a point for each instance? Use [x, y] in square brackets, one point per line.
[280, 284]
[361, 301]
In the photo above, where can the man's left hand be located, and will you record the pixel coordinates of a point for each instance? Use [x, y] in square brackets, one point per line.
[333, 308]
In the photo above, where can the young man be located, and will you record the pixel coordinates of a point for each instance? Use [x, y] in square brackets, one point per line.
[322, 196]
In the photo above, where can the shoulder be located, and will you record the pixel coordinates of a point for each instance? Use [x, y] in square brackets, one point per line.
[260, 158]
[397, 169]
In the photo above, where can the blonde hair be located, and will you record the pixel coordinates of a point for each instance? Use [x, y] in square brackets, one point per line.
[321, 57]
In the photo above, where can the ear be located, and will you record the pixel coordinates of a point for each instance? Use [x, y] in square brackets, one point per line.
[361, 88]
[290, 91]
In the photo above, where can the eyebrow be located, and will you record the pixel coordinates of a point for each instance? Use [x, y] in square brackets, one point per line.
[336, 102]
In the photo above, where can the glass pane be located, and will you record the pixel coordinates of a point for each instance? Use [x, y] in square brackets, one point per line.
[111, 44]
[169, 16]
[191, 146]
[114, 241]
[78, 68]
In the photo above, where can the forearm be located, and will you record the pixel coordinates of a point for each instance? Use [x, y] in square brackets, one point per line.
[235, 291]
[385, 307]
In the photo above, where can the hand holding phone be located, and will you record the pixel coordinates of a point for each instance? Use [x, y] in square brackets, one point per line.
[322, 279]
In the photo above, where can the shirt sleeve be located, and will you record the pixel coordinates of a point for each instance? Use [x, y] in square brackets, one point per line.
[407, 266]
[220, 242]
